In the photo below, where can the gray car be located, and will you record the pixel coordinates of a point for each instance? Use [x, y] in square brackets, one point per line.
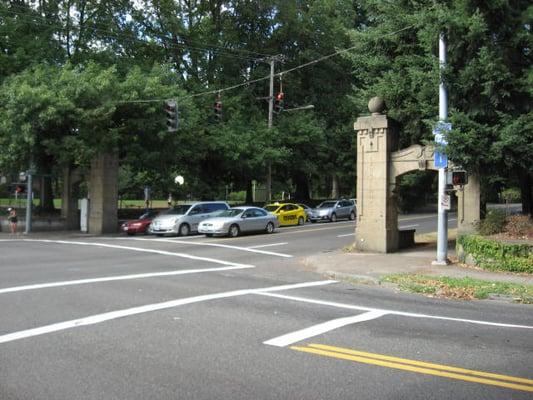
[184, 218]
[238, 220]
[332, 210]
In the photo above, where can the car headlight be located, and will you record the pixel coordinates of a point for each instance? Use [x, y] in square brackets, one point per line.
[218, 225]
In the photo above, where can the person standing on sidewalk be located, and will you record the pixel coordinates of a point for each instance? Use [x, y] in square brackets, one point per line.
[13, 219]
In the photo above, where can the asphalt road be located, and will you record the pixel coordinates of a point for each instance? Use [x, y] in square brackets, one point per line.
[218, 318]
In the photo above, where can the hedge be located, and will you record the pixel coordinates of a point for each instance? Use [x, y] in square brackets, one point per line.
[495, 255]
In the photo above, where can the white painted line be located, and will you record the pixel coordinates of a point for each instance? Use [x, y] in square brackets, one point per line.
[139, 249]
[452, 219]
[97, 318]
[409, 226]
[348, 234]
[298, 336]
[268, 245]
[226, 246]
[393, 312]
[117, 278]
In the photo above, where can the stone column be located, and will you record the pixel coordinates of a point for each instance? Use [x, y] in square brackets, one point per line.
[103, 194]
[377, 220]
[468, 205]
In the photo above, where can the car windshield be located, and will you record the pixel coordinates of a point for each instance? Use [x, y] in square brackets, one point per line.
[232, 212]
[327, 204]
[177, 210]
[271, 208]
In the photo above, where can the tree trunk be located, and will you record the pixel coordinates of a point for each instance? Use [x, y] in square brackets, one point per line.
[334, 186]
[249, 194]
[302, 187]
[46, 195]
[525, 181]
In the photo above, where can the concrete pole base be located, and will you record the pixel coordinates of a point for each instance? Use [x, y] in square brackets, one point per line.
[441, 263]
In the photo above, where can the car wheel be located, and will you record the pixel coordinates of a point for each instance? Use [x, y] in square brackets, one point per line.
[333, 217]
[184, 230]
[269, 228]
[352, 216]
[233, 231]
[301, 221]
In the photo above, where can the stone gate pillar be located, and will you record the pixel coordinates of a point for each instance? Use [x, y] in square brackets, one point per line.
[103, 194]
[377, 219]
[468, 205]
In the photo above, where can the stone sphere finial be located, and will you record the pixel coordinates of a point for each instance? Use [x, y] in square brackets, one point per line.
[376, 105]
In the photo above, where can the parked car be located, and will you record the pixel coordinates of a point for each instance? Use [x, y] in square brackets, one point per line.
[331, 210]
[139, 225]
[287, 213]
[237, 220]
[307, 210]
[183, 219]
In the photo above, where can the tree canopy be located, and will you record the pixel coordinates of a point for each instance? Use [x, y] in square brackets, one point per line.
[82, 76]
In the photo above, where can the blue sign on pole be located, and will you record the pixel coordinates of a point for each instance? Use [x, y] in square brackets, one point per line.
[441, 160]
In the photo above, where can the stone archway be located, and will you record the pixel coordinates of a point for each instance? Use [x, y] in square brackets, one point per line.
[379, 164]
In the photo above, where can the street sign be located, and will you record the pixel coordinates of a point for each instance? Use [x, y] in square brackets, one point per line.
[441, 160]
[445, 202]
[440, 131]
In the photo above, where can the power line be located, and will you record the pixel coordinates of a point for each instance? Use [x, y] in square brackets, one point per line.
[165, 41]
[312, 62]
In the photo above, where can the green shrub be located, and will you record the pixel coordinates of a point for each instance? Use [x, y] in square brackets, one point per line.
[511, 195]
[497, 256]
[494, 222]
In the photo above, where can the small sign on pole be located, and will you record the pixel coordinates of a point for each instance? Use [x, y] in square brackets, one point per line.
[445, 202]
[441, 160]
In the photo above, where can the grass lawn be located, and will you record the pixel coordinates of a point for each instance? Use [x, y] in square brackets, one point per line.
[460, 288]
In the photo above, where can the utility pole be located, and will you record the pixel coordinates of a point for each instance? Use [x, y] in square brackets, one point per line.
[29, 198]
[442, 219]
[270, 118]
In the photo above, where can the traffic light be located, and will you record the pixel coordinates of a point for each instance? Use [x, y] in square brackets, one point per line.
[171, 110]
[459, 178]
[278, 102]
[217, 108]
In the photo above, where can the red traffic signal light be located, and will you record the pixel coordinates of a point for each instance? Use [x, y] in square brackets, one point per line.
[278, 102]
[217, 107]
[459, 178]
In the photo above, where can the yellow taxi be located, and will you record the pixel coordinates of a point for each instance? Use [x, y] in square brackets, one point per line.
[287, 213]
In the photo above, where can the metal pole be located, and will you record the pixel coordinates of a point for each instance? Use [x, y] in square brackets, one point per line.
[29, 200]
[270, 118]
[442, 221]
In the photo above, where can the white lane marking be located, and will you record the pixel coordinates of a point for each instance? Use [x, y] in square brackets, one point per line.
[298, 336]
[408, 226]
[117, 278]
[393, 312]
[226, 246]
[348, 234]
[267, 245]
[452, 219]
[97, 318]
[139, 249]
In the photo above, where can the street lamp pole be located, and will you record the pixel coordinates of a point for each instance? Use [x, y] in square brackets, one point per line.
[442, 219]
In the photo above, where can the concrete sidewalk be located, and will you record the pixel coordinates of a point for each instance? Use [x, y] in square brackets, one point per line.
[368, 267]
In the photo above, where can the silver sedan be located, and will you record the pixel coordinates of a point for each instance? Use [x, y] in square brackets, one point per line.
[237, 220]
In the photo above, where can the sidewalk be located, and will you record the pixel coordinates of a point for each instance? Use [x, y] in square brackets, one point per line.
[369, 267]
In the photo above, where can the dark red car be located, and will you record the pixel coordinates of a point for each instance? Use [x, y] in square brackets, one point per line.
[139, 225]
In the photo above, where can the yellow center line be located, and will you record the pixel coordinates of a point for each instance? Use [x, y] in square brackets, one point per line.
[412, 368]
[422, 364]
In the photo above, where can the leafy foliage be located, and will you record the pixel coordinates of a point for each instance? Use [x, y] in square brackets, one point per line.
[496, 255]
